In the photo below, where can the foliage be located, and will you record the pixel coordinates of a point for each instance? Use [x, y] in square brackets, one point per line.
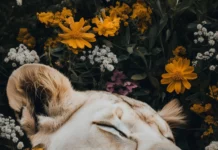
[146, 38]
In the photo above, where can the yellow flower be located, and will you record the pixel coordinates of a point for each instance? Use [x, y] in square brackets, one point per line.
[51, 43]
[142, 13]
[197, 108]
[208, 132]
[177, 76]
[210, 120]
[122, 11]
[75, 35]
[179, 50]
[106, 26]
[51, 19]
[213, 92]
[207, 107]
[26, 38]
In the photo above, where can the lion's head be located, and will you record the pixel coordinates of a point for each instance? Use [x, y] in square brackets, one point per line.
[52, 113]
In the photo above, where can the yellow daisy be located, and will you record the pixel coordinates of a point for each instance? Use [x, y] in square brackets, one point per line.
[177, 76]
[75, 35]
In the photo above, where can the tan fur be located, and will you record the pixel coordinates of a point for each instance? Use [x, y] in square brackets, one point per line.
[173, 114]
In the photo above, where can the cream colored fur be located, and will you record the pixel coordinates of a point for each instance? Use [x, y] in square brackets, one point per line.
[91, 120]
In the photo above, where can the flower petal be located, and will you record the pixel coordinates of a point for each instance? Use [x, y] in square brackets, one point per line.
[169, 67]
[178, 87]
[171, 87]
[190, 76]
[166, 81]
[186, 84]
[166, 75]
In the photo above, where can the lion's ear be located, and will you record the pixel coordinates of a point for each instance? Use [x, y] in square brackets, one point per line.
[36, 89]
[172, 113]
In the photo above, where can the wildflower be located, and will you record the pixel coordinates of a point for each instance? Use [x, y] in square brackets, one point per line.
[22, 55]
[19, 2]
[197, 108]
[51, 19]
[179, 50]
[20, 145]
[211, 42]
[210, 120]
[142, 13]
[106, 25]
[199, 26]
[212, 68]
[25, 38]
[101, 56]
[208, 132]
[212, 50]
[213, 92]
[177, 76]
[122, 11]
[75, 36]
[216, 57]
[119, 85]
[200, 39]
[212, 146]
[51, 43]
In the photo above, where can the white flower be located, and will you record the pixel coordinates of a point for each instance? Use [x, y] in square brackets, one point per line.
[92, 62]
[108, 49]
[212, 146]
[194, 63]
[199, 26]
[14, 65]
[210, 33]
[103, 51]
[206, 57]
[216, 57]
[201, 39]
[204, 29]
[19, 2]
[212, 68]
[206, 53]
[83, 58]
[102, 68]
[20, 145]
[12, 50]
[216, 36]
[110, 67]
[204, 22]
[211, 54]
[200, 33]
[15, 139]
[212, 50]
[211, 42]
[6, 60]
[195, 33]
[90, 57]
[195, 41]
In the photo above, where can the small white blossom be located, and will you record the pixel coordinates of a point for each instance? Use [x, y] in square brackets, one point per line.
[195, 33]
[83, 58]
[194, 63]
[199, 26]
[212, 68]
[204, 29]
[6, 60]
[15, 139]
[212, 146]
[201, 39]
[20, 145]
[14, 65]
[211, 42]
[216, 57]
[204, 22]
[206, 53]
[200, 33]
[216, 36]
[212, 50]
[110, 67]
[195, 41]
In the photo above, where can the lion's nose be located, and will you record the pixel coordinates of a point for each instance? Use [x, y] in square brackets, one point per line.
[165, 146]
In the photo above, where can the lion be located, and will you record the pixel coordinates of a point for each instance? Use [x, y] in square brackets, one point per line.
[58, 117]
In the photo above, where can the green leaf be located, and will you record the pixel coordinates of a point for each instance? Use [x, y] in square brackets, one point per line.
[163, 23]
[130, 48]
[137, 77]
[154, 82]
[123, 57]
[156, 51]
[152, 35]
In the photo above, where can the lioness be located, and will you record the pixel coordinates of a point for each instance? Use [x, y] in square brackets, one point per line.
[55, 115]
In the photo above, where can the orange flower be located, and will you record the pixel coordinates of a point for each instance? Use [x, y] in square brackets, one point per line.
[106, 26]
[177, 76]
[26, 38]
[75, 35]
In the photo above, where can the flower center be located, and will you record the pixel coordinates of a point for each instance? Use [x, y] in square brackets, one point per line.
[76, 35]
[177, 76]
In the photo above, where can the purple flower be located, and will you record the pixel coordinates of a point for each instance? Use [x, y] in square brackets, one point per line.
[117, 77]
[123, 92]
[130, 85]
[110, 86]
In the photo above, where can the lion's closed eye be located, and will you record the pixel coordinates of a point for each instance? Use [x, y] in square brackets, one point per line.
[105, 126]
